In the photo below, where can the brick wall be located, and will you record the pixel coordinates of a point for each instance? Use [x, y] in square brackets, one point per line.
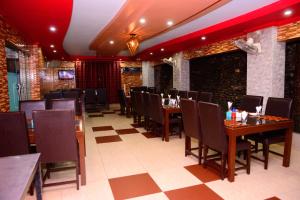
[289, 31]
[214, 48]
[131, 79]
[49, 77]
[7, 33]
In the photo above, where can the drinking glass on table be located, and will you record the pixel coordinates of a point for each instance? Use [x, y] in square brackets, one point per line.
[258, 110]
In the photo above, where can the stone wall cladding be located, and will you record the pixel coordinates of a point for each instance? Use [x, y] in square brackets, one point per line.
[7, 33]
[181, 72]
[265, 71]
[148, 73]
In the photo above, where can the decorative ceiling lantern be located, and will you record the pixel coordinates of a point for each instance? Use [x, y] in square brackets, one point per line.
[133, 44]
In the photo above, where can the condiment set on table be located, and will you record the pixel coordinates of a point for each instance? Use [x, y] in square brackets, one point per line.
[234, 114]
[170, 102]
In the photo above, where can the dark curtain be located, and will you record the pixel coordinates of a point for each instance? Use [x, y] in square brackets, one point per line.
[99, 74]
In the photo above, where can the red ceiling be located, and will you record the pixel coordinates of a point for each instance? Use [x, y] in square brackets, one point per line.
[32, 19]
[271, 15]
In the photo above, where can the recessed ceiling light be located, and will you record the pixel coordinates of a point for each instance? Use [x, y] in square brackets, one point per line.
[203, 38]
[54, 51]
[151, 53]
[288, 12]
[169, 23]
[52, 28]
[52, 45]
[111, 42]
[162, 49]
[142, 20]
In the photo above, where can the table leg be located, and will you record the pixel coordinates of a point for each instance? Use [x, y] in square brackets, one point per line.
[80, 139]
[287, 147]
[231, 157]
[166, 126]
[38, 183]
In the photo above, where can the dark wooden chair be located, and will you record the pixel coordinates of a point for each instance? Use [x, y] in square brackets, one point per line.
[205, 96]
[13, 132]
[280, 107]
[63, 104]
[74, 94]
[14, 135]
[173, 93]
[123, 102]
[151, 90]
[215, 138]
[193, 95]
[146, 104]
[192, 128]
[101, 98]
[30, 105]
[133, 105]
[139, 106]
[183, 94]
[249, 102]
[157, 117]
[56, 140]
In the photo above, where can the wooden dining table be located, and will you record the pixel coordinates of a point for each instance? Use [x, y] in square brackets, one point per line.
[81, 144]
[167, 110]
[253, 125]
[17, 173]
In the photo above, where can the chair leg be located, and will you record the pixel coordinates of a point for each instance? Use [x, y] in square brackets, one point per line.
[205, 151]
[200, 151]
[266, 153]
[187, 145]
[223, 165]
[248, 160]
[256, 146]
[77, 175]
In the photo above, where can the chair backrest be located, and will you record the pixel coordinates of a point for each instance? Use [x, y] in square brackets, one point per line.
[72, 94]
[249, 102]
[55, 135]
[101, 96]
[281, 107]
[146, 103]
[193, 95]
[90, 96]
[151, 90]
[183, 94]
[205, 96]
[212, 126]
[156, 112]
[63, 104]
[190, 117]
[122, 98]
[13, 132]
[173, 93]
[133, 100]
[30, 105]
[139, 103]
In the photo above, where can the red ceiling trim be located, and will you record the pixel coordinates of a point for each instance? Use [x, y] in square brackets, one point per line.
[267, 16]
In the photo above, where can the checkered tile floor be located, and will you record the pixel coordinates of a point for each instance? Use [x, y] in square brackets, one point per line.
[123, 161]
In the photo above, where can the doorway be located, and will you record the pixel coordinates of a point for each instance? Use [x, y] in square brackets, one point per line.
[17, 76]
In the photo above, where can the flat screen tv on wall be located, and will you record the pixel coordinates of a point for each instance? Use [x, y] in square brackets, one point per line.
[66, 74]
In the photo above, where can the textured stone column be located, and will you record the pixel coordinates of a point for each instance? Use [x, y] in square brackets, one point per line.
[148, 73]
[265, 71]
[181, 72]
